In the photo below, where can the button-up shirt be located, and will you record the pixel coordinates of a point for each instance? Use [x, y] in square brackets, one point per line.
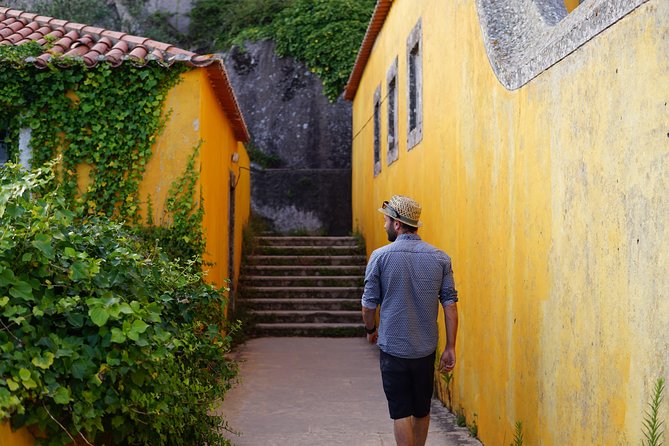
[408, 278]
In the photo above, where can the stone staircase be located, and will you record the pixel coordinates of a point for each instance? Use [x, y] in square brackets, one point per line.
[304, 286]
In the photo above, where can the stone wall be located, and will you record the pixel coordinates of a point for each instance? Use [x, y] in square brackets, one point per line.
[303, 201]
[291, 121]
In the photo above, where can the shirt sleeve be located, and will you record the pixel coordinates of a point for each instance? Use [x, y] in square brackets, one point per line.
[371, 296]
[448, 294]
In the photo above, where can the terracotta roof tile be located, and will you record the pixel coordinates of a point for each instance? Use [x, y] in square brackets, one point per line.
[113, 34]
[93, 30]
[138, 52]
[92, 44]
[57, 22]
[74, 26]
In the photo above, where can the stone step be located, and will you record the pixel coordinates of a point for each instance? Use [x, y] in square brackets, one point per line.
[260, 304]
[302, 281]
[314, 330]
[305, 260]
[302, 292]
[308, 241]
[307, 316]
[304, 270]
[307, 250]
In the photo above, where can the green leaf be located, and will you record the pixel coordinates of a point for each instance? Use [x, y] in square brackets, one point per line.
[62, 396]
[99, 315]
[43, 362]
[12, 385]
[117, 335]
[81, 367]
[24, 374]
[69, 252]
[43, 243]
[138, 327]
[29, 383]
[7, 277]
[22, 290]
[79, 271]
[4, 300]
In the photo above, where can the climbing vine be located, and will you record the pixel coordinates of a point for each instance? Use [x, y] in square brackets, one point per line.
[105, 119]
[180, 233]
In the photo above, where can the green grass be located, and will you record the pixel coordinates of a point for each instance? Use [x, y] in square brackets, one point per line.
[653, 429]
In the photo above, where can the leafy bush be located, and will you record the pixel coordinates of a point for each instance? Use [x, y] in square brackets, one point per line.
[102, 338]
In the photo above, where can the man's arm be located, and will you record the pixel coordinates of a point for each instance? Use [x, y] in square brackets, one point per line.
[447, 361]
[369, 319]
[371, 297]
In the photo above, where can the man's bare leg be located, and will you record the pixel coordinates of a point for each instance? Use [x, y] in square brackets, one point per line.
[403, 428]
[420, 428]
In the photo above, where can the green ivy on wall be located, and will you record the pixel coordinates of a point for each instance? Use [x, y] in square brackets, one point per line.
[180, 233]
[103, 117]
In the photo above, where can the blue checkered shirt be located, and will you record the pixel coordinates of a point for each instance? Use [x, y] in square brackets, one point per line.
[408, 278]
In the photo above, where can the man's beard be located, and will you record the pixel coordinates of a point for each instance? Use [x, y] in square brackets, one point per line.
[392, 234]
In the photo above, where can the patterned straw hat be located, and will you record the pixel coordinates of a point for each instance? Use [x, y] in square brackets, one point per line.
[403, 209]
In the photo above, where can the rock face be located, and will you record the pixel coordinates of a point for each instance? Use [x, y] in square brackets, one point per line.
[307, 187]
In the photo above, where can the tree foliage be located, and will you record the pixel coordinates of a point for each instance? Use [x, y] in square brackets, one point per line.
[324, 34]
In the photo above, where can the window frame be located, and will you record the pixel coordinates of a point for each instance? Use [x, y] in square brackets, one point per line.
[392, 150]
[377, 131]
[414, 61]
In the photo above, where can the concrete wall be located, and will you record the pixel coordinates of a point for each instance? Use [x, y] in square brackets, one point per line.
[552, 201]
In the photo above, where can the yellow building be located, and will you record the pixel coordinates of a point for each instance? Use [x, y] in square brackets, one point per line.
[201, 110]
[536, 137]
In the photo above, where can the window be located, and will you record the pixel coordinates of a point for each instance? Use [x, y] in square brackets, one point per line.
[4, 155]
[25, 153]
[415, 86]
[377, 131]
[391, 80]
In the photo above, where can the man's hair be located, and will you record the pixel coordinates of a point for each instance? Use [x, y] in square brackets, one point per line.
[406, 227]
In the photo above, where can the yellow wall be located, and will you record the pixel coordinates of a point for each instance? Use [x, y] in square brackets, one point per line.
[197, 117]
[552, 201]
[218, 170]
[19, 438]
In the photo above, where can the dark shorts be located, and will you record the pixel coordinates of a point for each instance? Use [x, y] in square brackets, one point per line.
[408, 384]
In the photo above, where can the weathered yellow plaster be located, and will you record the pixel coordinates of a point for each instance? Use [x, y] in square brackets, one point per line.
[8, 437]
[552, 202]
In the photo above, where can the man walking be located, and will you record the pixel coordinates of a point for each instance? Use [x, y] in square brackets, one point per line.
[408, 278]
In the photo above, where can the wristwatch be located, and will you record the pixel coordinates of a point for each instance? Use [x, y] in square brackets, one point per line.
[370, 331]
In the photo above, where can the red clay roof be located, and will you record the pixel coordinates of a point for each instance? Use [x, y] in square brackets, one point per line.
[375, 24]
[93, 45]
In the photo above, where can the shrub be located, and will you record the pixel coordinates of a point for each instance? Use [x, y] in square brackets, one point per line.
[103, 339]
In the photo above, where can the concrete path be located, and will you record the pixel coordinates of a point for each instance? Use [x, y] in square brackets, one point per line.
[318, 392]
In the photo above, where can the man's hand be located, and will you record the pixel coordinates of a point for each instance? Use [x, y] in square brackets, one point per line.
[371, 338]
[447, 361]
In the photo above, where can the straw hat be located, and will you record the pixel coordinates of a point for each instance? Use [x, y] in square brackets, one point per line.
[403, 209]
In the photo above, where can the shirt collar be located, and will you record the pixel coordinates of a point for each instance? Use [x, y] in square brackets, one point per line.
[408, 236]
